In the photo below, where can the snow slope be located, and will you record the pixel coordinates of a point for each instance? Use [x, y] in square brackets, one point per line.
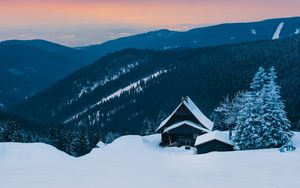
[134, 161]
[278, 31]
[136, 85]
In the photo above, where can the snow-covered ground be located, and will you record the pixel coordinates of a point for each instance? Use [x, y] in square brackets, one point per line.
[134, 161]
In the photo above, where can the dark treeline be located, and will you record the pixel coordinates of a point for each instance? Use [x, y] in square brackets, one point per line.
[75, 142]
[207, 75]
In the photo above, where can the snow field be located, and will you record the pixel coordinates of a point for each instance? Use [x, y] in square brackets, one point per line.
[135, 161]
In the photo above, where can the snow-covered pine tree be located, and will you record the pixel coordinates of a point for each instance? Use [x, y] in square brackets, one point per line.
[12, 132]
[71, 143]
[249, 125]
[226, 114]
[2, 131]
[110, 137]
[161, 116]
[246, 123]
[222, 113]
[275, 123]
[80, 144]
[73, 148]
[236, 104]
[258, 81]
[56, 138]
[261, 120]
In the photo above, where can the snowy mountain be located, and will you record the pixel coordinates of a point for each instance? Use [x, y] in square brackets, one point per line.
[27, 67]
[230, 33]
[147, 165]
[123, 90]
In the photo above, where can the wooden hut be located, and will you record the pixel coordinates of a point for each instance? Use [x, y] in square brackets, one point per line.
[184, 124]
[214, 141]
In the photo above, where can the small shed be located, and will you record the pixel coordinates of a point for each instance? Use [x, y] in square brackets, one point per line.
[287, 147]
[214, 141]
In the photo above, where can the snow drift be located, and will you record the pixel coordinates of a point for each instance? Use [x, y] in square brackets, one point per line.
[135, 161]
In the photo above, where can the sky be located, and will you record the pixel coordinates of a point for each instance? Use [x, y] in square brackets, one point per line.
[84, 22]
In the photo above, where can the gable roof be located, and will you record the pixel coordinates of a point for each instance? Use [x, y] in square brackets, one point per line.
[189, 123]
[194, 110]
[222, 136]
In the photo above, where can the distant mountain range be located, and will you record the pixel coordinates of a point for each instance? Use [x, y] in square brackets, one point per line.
[205, 36]
[123, 90]
[27, 67]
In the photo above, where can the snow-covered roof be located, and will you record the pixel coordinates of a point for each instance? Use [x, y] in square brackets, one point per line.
[189, 123]
[222, 136]
[100, 144]
[195, 111]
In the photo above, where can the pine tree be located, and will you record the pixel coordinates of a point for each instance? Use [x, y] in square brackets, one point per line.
[110, 137]
[249, 125]
[148, 127]
[276, 124]
[222, 114]
[2, 131]
[13, 133]
[57, 138]
[161, 116]
[236, 104]
[227, 113]
[80, 144]
[74, 146]
[261, 120]
[71, 143]
[85, 144]
[258, 80]
[28, 138]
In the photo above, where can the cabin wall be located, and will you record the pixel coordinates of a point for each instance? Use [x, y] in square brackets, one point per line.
[166, 139]
[178, 140]
[213, 145]
[183, 136]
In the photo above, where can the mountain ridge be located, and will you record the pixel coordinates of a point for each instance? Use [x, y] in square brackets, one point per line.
[226, 33]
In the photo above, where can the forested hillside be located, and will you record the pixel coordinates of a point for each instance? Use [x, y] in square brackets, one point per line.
[30, 66]
[126, 91]
[27, 67]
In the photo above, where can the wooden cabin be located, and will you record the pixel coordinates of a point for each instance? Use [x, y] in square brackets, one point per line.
[214, 141]
[184, 125]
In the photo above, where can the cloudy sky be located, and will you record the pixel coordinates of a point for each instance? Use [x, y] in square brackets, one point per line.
[83, 22]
